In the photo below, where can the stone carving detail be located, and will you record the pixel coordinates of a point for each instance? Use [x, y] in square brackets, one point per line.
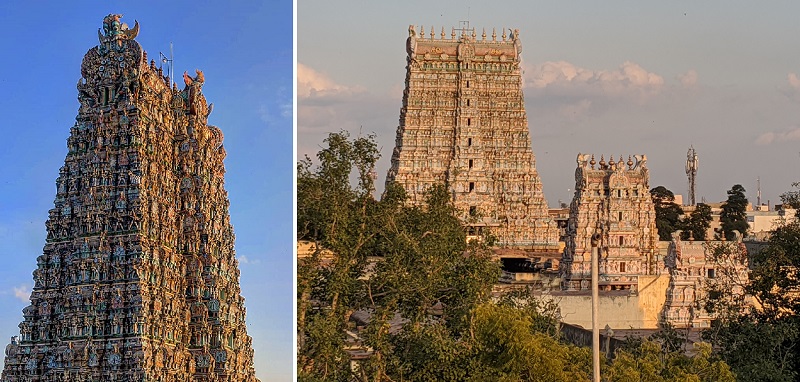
[129, 251]
[693, 266]
[463, 122]
[612, 199]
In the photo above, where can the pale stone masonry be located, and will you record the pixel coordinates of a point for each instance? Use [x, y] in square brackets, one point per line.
[463, 123]
[693, 267]
[612, 200]
[138, 279]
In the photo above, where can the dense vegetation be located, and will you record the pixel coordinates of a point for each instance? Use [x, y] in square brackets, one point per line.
[427, 293]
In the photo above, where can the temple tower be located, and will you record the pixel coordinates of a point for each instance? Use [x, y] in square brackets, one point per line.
[463, 123]
[614, 201]
[138, 280]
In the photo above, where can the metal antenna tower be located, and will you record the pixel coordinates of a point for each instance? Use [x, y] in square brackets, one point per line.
[758, 180]
[464, 28]
[691, 172]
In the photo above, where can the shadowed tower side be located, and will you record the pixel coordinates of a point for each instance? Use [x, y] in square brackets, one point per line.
[463, 123]
[138, 279]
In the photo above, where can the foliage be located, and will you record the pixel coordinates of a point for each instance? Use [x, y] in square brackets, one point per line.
[697, 223]
[792, 198]
[425, 289]
[764, 344]
[384, 258]
[650, 362]
[733, 216]
[339, 218]
[668, 214]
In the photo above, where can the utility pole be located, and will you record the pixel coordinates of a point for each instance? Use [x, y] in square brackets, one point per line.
[595, 309]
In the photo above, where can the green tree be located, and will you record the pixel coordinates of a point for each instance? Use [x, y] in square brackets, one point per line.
[427, 291]
[382, 257]
[336, 217]
[649, 361]
[697, 223]
[668, 214]
[762, 344]
[733, 216]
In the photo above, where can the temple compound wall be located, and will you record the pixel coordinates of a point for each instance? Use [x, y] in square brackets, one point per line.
[612, 200]
[673, 297]
[463, 124]
[138, 279]
[618, 309]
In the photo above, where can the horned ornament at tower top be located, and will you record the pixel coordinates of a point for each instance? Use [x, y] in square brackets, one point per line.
[114, 29]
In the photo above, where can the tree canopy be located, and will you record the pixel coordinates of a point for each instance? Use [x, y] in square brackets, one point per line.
[733, 216]
[697, 223]
[762, 344]
[425, 292]
[668, 214]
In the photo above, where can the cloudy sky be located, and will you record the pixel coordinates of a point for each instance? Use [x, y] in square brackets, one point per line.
[245, 51]
[620, 77]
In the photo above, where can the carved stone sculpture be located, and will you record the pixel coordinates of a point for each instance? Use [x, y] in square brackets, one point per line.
[613, 200]
[463, 122]
[118, 279]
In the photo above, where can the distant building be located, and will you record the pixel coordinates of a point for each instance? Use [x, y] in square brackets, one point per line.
[463, 124]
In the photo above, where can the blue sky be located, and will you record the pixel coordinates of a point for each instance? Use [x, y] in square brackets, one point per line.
[245, 51]
[619, 77]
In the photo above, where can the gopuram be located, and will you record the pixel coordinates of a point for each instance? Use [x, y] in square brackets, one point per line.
[613, 201]
[694, 266]
[463, 124]
[138, 280]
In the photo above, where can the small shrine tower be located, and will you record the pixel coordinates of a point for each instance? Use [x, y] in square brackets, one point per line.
[613, 200]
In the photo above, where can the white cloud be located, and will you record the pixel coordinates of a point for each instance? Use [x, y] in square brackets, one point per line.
[564, 78]
[245, 260]
[794, 82]
[688, 79]
[22, 292]
[311, 83]
[776, 137]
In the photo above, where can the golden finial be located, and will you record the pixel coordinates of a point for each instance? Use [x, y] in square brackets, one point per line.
[494, 34]
[422, 31]
[484, 34]
[630, 161]
[433, 32]
[443, 33]
[602, 162]
[453, 33]
[504, 34]
[592, 162]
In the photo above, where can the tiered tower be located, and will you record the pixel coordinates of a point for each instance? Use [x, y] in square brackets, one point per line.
[612, 200]
[138, 280]
[463, 123]
[694, 266]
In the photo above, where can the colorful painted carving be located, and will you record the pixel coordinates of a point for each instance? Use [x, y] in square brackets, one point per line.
[138, 279]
